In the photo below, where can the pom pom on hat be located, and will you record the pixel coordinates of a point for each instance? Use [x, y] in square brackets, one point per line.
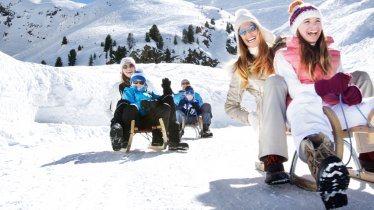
[293, 5]
[300, 11]
[138, 75]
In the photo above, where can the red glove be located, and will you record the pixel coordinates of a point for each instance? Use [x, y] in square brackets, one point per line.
[352, 96]
[336, 85]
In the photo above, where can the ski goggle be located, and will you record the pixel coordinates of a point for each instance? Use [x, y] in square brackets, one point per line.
[138, 82]
[244, 31]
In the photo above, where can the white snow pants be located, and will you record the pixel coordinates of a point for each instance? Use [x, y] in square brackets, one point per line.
[305, 116]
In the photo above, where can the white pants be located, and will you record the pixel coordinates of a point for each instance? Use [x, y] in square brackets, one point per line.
[305, 116]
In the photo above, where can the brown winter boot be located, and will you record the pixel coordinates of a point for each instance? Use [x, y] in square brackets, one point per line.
[329, 171]
[274, 168]
[367, 161]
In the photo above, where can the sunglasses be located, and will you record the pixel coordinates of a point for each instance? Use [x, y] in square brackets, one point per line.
[138, 82]
[244, 31]
[185, 83]
[128, 66]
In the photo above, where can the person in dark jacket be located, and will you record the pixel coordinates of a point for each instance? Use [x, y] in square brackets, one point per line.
[190, 106]
[118, 139]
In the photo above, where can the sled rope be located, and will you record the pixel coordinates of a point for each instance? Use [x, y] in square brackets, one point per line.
[348, 131]
[367, 120]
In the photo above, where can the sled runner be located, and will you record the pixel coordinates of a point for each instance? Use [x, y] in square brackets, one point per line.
[134, 130]
[197, 126]
[364, 137]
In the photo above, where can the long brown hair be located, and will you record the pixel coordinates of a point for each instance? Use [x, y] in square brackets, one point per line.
[125, 82]
[249, 66]
[314, 55]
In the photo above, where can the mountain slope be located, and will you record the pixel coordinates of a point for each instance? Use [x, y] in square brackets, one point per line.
[55, 150]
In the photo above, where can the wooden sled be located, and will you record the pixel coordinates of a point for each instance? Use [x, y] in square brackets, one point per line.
[198, 126]
[364, 137]
[134, 130]
[361, 133]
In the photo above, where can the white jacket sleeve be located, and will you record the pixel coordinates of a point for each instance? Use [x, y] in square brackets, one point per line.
[284, 69]
[234, 98]
[114, 96]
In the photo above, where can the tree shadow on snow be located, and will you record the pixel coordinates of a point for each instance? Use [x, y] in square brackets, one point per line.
[105, 156]
[253, 193]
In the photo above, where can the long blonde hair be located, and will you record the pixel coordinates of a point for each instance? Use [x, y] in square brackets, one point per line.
[249, 66]
[314, 55]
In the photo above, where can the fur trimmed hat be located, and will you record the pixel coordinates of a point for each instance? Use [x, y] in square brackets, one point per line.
[138, 75]
[127, 60]
[300, 11]
[242, 16]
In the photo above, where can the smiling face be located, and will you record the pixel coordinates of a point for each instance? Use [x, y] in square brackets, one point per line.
[189, 97]
[248, 32]
[310, 29]
[128, 69]
[138, 83]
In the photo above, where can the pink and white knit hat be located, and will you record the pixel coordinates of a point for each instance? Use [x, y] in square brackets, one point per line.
[300, 11]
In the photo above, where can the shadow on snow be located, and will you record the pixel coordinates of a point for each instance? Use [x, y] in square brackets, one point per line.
[106, 156]
[253, 193]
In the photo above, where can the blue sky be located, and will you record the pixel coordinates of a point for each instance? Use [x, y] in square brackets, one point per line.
[84, 1]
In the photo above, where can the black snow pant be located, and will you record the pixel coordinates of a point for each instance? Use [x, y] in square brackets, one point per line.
[206, 113]
[151, 118]
[174, 128]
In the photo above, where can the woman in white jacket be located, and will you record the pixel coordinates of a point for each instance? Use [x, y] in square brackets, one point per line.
[128, 67]
[271, 94]
[314, 77]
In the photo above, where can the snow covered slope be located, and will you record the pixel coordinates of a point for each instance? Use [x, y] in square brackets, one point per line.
[37, 27]
[55, 150]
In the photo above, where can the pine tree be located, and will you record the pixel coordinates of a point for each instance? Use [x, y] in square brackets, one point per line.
[64, 40]
[130, 41]
[212, 21]
[175, 40]
[190, 34]
[229, 27]
[79, 48]
[43, 62]
[184, 36]
[108, 43]
[90, 61]
[59, 62]
[72, 57]
[154, 33]
[168, 58]
[119, 54]
[160, 43]
[147, 38]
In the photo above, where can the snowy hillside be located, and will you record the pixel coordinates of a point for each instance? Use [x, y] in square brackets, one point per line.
[88, 27]
[37, 26]
[55, 150]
